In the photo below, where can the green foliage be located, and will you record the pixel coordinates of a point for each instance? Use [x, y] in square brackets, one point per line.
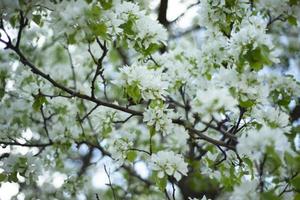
[2, 177]
[99, 29]
[37, 19]
[3, 77]
[247, 104]
[161, 182]
[292, 20]
[133, 91]
[258, 57]
[128, 27]
[106, 4]
[249, 164]
[269, 196]
[39, 100]
[131, 155]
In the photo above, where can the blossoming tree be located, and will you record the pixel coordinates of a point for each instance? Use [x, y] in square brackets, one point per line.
[208, 117]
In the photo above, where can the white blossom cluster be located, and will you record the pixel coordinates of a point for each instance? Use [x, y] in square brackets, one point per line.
[159, 117]
[151, 82]
[168, 163]
[212, 102]
[246, 190]
[120, 145]
[254, 143]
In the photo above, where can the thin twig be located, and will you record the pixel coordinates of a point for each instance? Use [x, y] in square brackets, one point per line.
[90, 112]
[45, 122]
[123, 121]
[167, 195]
[186, 10]
[72, 67]
[140, 150]
[110, 185]
[224, 156]
[173, 193]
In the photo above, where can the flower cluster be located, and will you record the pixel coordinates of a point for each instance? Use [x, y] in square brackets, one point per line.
[254, 143]
[212, 102]
[119, 146]
[246, 190]
[169, 163]
[160, 117]
[144, 82]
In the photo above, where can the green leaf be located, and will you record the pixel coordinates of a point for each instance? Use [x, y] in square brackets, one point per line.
[106, 4]
[134, 92]
[162, 183]
[151, 49]
[106, 130]
[293, 2]
[247, 104]
[156, 103]
[3, 76]
[38, 102]
[13, 177]
[94, 12]
[71, 38]
[250, 165]
[297, 196]
[99, 29]
[292, 20]
[269, 196]
[37, 19]
[131, 155]
[128, 27]
[296, 182]
[258, 57]
[3, 177]
[151, 130]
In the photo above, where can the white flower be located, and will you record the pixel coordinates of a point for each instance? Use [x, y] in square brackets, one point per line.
[251, 31]
[150, 31]
[214, 49]
[203, 198]
[177, 137]
[160, 117]
[254, 142]
[178, 65]
[245, 191]
[126, 7]
[274, 117]
[169, 163]
[151, 82]
[212, 100]
[119, 146]
[276, 7]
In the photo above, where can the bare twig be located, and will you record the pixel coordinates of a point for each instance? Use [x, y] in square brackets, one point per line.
[167, 195]
[22, 22]
[173, 193]
[186, 10]
[140, 150]
[45, 122]
[224, 156]
[125, 120]
[72, 67]
[90, 112]
[99, 68]
[14, 143]
[110, 185]
[97, 197]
